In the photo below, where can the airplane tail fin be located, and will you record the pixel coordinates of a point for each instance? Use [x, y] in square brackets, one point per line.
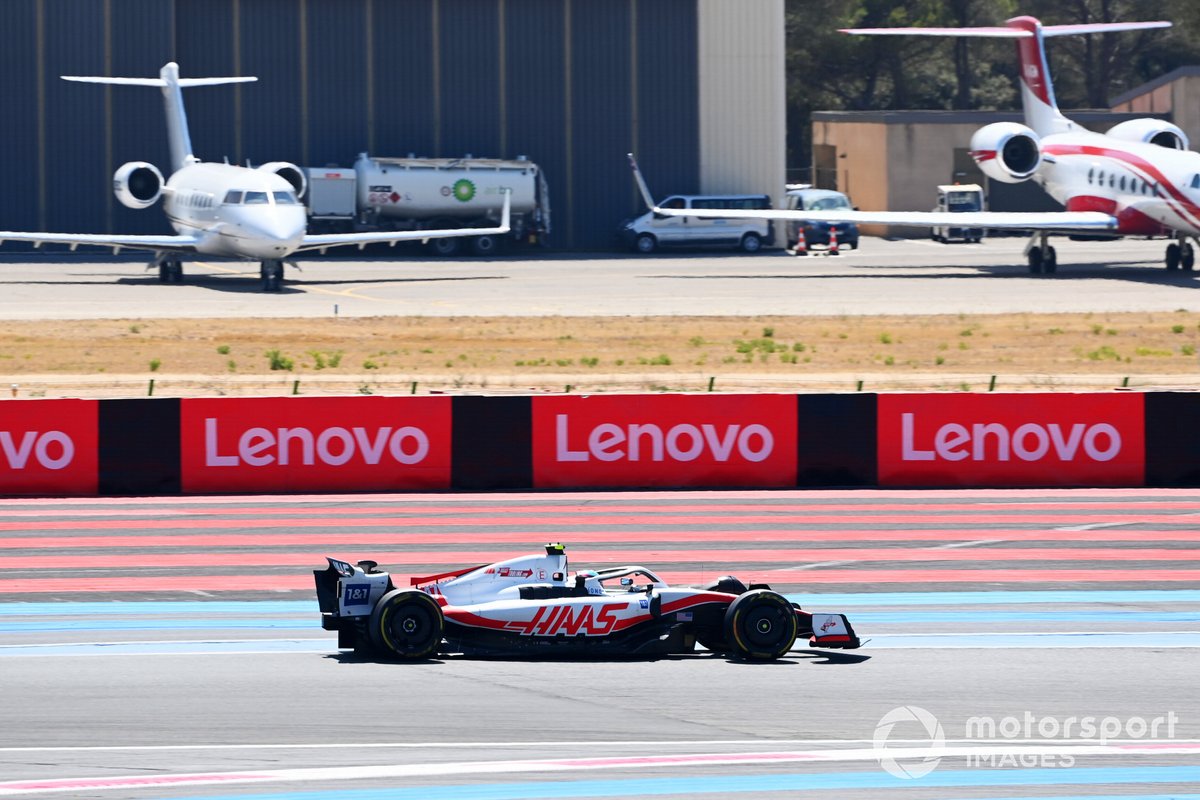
[169, 81]
[641, 182]
[1037, 91]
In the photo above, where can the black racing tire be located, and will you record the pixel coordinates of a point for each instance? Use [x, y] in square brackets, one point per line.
[1187, 258]
[407, 624]
[645, 243]
[1050, 261]
[761, 625]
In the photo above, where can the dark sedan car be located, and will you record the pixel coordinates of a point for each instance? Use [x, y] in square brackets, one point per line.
[818, 232]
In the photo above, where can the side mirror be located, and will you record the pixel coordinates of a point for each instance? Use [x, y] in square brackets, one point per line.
[627, 581]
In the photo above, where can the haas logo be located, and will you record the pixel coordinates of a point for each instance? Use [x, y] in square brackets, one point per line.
[553, 620]
[829, 623]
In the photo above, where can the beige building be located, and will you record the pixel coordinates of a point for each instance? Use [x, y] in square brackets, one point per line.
[1175, 95]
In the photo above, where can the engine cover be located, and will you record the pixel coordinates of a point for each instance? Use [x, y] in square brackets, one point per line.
[1151, 131]
[137, 184]
[290, 173]
[1007, 151]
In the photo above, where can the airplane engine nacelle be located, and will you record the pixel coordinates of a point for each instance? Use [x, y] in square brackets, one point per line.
[290, 173]
[137, 184]
[1151, 131]
[1007, 151]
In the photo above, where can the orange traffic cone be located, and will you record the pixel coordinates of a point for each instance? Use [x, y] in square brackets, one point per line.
[833, 246]
[801, 244]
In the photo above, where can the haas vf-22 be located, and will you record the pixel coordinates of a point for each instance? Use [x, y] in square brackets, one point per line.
[531, 605]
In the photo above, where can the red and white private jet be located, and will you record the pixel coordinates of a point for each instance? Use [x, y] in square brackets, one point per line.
[1138, 178]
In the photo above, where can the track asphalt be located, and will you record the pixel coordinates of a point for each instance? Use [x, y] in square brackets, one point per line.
[1036, 643]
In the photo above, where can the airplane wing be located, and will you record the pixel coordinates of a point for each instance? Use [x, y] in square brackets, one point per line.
[1066, 221]
[323, 241]
[158, 244]
[1006, 220]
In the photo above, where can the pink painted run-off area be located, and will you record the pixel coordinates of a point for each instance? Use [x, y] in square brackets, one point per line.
[397, 510]
[509, 517]
[786, 538]
[785, 496]
[647, 556]
[526, 539]
[820, 575]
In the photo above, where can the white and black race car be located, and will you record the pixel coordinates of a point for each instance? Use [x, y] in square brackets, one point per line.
[531, 605]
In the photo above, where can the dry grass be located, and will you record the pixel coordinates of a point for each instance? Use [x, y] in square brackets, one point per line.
[231, 356]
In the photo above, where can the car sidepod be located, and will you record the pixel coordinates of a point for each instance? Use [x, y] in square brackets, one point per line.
[641, 623]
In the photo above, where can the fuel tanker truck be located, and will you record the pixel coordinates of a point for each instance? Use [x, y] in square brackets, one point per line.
[405, 194]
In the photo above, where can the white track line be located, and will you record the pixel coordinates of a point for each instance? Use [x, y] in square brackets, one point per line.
[394, 771]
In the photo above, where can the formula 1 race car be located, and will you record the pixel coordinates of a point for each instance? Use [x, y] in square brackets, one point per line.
[531, 605]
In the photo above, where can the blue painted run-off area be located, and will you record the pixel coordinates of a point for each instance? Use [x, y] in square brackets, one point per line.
[750, 785]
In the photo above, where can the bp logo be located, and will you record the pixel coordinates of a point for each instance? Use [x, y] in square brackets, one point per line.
[463, 190]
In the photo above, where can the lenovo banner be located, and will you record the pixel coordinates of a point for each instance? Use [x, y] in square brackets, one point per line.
[1005, 440]
[48, 447]
[315, 444]
[664, 440]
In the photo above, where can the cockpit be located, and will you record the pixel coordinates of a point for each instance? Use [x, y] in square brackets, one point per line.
[235, 197]
[628, 579]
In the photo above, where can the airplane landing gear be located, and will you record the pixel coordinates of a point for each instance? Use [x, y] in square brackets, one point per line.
[1181, 254]
[271, 271]
[170, 270]
[1042, 257]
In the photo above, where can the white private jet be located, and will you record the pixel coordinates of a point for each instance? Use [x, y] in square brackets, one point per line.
[220, 209]
[1138, 178]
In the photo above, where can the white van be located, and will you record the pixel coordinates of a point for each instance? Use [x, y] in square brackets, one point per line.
[647, 233]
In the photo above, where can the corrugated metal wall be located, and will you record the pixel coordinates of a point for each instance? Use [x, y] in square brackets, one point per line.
[572, 84]
[743, 121]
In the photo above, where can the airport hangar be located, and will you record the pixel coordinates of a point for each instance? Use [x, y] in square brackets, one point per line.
[694, 87]
[894, 160]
